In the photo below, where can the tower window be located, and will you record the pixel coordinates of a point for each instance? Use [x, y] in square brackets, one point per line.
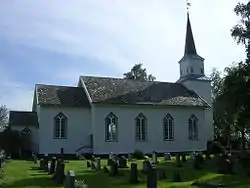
[202, 71]
[187, 70]
[191, 69]
[181, 72]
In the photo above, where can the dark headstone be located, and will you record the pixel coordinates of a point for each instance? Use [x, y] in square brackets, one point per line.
[133, 173]
[70, 179]
[146, 165]
[1, 162]
[88, 164]
[52, 165]
[41, 164]
[109, 161]
[178, 160]
[114, 168]
[197, 163]
[105, 169]
[225, 165]
[176, 177]
[152, 178]
[122, 162]
[183, 158]
[93, 167]
[59, 175]
[161, 174]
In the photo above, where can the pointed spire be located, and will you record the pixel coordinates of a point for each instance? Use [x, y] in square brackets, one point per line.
[189, 46]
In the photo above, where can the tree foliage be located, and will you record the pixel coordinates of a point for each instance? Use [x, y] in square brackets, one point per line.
[231, 94]
[138, 73]
[3, 116]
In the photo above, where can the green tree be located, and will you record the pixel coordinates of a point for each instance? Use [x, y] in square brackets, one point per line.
[138, 73]
[3, 117]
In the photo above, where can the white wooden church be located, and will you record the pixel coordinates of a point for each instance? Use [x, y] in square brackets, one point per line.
[104, 114]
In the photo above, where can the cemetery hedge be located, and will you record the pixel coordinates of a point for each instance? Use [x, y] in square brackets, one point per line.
[25, 174]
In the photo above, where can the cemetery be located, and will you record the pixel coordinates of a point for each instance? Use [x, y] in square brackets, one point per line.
[170, 170]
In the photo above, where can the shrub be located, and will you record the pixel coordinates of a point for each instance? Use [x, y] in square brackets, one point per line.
[138, 154]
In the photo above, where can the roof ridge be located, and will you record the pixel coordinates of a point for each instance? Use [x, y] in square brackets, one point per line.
[56, 85]
[132, 80]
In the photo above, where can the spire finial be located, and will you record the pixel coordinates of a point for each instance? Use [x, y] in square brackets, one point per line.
[188, 6]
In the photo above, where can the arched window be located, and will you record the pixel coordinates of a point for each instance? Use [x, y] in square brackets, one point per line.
[193, 128]
[111, 123]
[141, 128]
[202, 71]
[191, 69]
[60, 126]
[168, 127]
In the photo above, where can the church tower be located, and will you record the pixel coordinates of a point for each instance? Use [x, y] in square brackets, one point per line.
[192, 73]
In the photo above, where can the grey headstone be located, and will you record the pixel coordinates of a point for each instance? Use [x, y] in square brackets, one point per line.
[130, 157]
[154, 157]
[70, 179]
[133, 173]
[152, 178]
[98, 163]
[167, 156]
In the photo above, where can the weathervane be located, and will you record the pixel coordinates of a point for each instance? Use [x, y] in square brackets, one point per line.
[188, 5]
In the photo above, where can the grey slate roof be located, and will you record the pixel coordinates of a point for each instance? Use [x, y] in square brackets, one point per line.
[23, 118]
[52, 95]
[120, 91]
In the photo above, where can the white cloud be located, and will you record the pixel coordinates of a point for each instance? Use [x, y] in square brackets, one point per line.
[121, 33]
[15, 95]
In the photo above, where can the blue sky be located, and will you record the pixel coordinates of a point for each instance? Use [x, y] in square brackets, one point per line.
[55, 41]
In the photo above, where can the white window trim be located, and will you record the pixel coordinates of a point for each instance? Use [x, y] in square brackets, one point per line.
[139, 134]
[60, 117]
[194, 133]
[166, 127]
[113, 136]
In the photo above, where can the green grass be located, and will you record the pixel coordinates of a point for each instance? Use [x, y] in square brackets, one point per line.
[24, 174]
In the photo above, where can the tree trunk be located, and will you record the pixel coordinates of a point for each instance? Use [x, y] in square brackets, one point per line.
[243, 138]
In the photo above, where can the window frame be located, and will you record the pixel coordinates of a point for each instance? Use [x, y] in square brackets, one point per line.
[141, 130]
[60, 116]
[111, 117]
[167, 126]
[193, 127]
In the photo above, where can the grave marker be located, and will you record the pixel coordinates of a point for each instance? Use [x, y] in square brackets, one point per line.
[133, 173]
[70, 179]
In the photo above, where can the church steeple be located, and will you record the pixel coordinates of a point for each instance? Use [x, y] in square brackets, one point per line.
[189, 46]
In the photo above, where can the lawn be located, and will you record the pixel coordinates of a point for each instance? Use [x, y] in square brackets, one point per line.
[24, 174]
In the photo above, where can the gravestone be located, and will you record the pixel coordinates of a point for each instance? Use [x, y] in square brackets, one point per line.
[154, 157]
[133, 173]
[105, 169]
[122, 162]
[93, 166]
[111, 157]
[114, 168]
[208, 157]
[88, 164]
[1, 162]
[52, 165]
[161, 174]
[183, 158]
[192, 155]
[59, 175]
[146, 165]
[167, 156]
[41, 163]
[225, 165]
[46, 161]
[98, 163]
[178, 160]
[34, 156]
[70, 179]
[197, 163]
[152, 178]
[177, 177]
[130, 157]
